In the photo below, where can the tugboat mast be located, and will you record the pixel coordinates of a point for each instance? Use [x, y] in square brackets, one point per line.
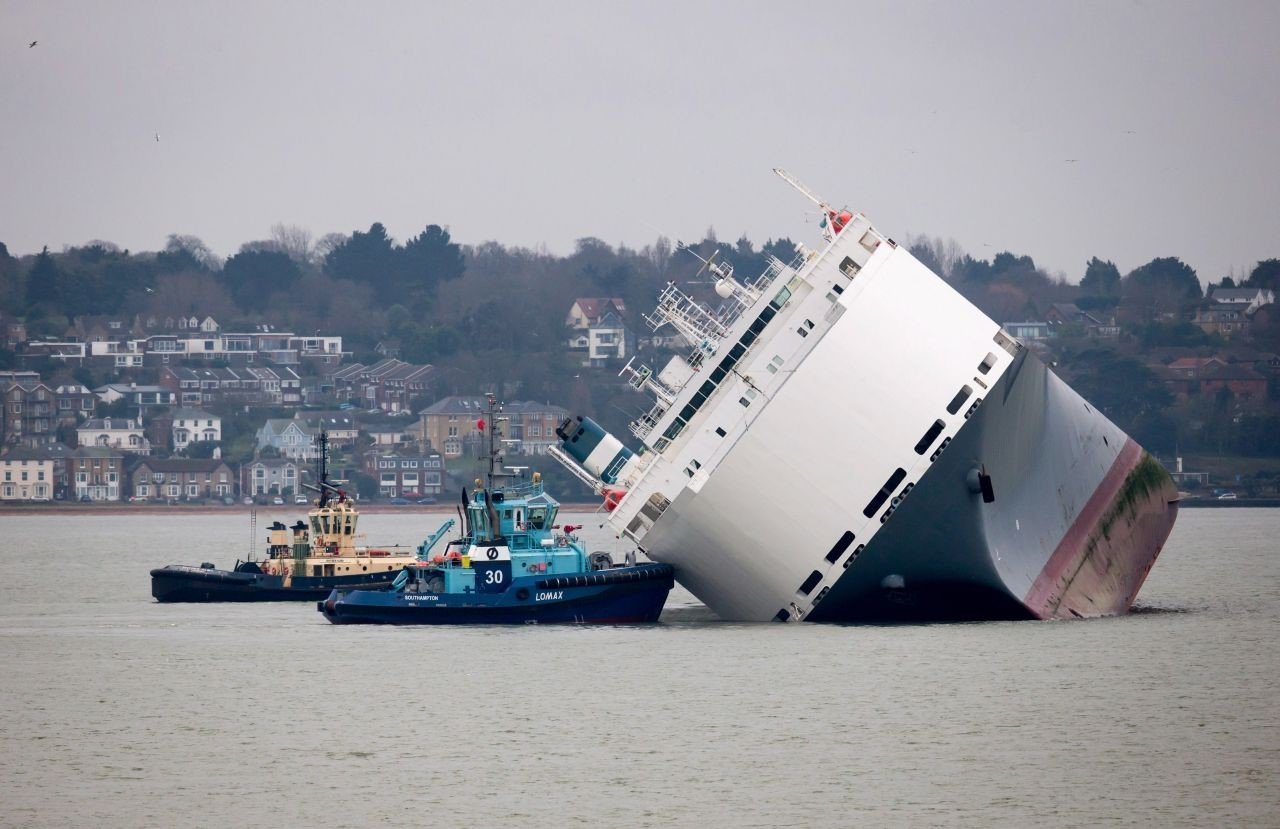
[326, 490]
[496, 474]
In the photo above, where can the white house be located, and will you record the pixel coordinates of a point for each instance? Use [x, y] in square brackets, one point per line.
[26, 475]
[192, 425]
[596, 329]
[124, 434]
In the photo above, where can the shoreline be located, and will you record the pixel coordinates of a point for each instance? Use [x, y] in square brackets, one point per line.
[122, 508]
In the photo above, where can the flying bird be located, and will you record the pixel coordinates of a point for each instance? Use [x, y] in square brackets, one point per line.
[32, 44]
[157, 138]
[1071, 160]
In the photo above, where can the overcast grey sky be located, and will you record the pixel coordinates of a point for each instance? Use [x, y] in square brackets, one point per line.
[538, 123]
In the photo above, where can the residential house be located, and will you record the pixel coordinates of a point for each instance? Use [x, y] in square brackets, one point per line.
[97, 329]
[1190, 367]
[183, 324]
[170, 345]
[1029, 330]
[29, 413]
[281, 385]
[192, 426]
[110, 354]
[74, 402]
[1245, 384]
[13, 332]
[95, 473]
[1248, 300]
[137, 397]
[1190, 377]
[39, 351]
[585, 311]
[450, 425]
[27, 475]
[533, 426]
[1230, 311]
[1227, 319]
[242, 385]
[406, 475]
[388, 385]
[597, 332]
[1067, 315]
[125, 434]
[185, 478]
[270, 476]
[340, 426]
[390, 434]
[293, 439]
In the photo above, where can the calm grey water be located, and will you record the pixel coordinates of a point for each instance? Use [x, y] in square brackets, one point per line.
[119, 712]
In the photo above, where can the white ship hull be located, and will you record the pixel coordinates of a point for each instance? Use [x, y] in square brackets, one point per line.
[837, 470]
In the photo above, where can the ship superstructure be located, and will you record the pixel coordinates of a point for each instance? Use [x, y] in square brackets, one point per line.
[851, 438]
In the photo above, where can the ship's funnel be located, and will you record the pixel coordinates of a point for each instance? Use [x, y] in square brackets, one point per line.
[599, 452]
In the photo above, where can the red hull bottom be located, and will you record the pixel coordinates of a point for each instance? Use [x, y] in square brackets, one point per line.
[1101, 562]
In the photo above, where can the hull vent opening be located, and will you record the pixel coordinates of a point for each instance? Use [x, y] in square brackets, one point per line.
[840, 546]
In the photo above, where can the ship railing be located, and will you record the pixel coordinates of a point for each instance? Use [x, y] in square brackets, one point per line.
[645, 423]
[522, 490]
[685, 314]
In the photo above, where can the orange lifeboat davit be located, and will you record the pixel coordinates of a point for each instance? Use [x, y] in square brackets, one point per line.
[839, 219]
[612, 497]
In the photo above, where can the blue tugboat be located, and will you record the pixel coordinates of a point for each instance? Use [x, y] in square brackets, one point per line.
[512, 565]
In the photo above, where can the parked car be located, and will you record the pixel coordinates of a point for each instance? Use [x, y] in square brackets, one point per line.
[247, 501]
[300, 499]
[278, 501]
[1227, 496]
[427, 500]
[400, 502]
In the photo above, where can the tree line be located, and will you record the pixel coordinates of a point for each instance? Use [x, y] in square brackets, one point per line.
[491, 316]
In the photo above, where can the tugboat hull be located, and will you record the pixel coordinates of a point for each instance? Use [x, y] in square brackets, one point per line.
[630, 595]
[178, 583]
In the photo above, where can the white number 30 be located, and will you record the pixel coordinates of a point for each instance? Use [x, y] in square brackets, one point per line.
[493, 577]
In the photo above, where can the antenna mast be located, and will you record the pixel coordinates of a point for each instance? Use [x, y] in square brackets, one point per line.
[800, 186]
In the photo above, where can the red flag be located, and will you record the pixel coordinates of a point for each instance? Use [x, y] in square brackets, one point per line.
[480, 424]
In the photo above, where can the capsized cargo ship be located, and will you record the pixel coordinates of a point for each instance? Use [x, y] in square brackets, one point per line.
[851, 439]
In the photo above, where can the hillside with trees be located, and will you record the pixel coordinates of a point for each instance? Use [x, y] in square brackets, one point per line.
[491, 317]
